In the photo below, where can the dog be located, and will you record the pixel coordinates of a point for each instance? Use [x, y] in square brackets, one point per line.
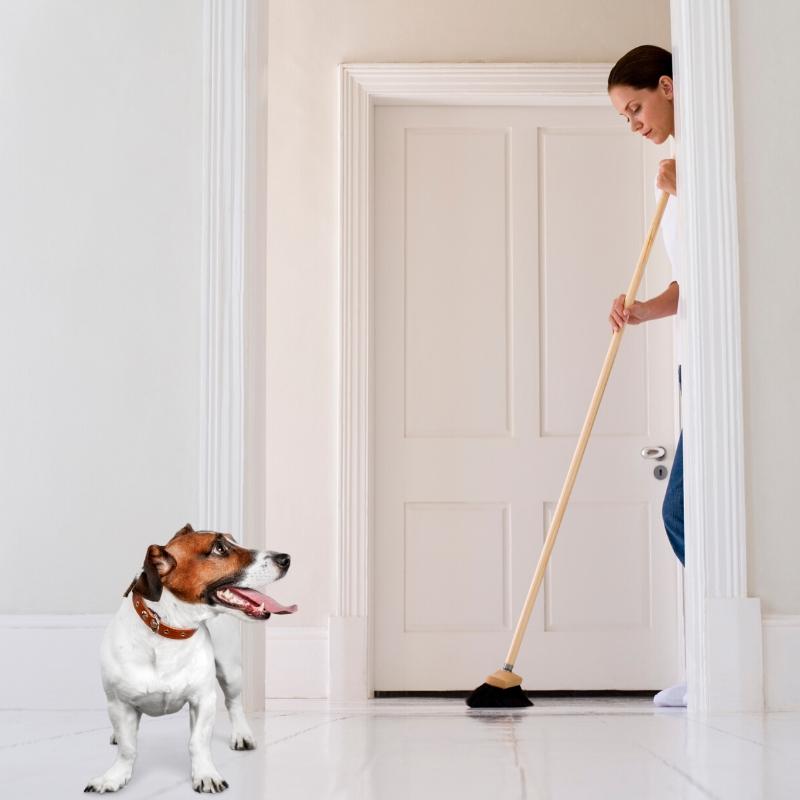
[167, 642]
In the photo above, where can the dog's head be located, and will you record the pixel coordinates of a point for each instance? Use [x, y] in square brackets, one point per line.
[210, 568]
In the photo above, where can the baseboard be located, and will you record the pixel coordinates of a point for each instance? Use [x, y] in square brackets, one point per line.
[349, 670]
[296, 662]
[52, 661]
[733, 658]
[781, 659]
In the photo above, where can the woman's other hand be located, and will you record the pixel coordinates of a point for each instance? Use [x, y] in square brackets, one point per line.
[620, 315]
[665, 180]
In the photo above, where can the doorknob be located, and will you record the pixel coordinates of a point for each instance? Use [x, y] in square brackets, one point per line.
[658, 453]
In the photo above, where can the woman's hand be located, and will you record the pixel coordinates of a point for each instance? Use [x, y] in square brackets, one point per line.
[620, 315]
[665, 180]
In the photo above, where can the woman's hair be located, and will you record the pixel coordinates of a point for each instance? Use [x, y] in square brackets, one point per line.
[641, 68]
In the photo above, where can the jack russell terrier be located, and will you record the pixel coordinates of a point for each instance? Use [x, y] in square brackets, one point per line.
[169, 639]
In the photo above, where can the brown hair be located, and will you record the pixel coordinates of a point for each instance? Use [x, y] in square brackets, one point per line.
[641, 68]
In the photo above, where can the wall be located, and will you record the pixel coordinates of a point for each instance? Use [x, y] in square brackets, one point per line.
[100, 236]
[765, 58]
[308, 39]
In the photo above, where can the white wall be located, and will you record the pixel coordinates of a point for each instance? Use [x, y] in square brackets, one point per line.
[100, 212]
[765, 62]
[308, 39]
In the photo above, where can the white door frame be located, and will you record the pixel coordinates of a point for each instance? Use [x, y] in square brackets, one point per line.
[362, 87]
[723, 625]
[233, 302]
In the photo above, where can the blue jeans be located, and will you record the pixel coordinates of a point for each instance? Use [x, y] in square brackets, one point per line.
[672, 510]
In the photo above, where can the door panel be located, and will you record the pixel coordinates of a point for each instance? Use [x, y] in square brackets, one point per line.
[478, 532]
[457, 360]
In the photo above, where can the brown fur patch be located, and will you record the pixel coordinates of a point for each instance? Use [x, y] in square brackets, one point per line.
[197, 567]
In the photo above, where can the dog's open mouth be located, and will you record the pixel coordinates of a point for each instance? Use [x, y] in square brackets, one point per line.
[251, 602]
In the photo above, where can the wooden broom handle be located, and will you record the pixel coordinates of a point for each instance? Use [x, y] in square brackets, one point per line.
[583, 440]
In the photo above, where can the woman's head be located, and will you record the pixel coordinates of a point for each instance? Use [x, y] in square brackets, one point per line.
[640, 88]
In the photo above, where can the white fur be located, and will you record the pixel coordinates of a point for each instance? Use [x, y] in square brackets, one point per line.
[144, 673]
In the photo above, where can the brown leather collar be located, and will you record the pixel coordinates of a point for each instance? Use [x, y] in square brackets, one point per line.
[151, 619]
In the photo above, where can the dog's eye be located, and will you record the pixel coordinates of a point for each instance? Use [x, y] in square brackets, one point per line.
[219, 549]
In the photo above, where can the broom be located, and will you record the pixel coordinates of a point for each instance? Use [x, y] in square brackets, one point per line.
[503, 689]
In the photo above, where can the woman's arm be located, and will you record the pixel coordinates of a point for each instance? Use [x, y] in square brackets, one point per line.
[663, 305]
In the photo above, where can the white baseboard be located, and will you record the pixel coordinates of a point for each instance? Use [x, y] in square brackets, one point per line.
[349, 670]
[52, 661]
[781, 662]
[734, 661]
[297, 662]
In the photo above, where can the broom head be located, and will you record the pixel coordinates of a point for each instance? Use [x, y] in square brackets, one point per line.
[503, 689]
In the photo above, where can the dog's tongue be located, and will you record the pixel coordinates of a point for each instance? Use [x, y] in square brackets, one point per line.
[273, 606]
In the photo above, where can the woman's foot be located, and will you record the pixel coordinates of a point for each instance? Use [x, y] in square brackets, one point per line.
[674, 697]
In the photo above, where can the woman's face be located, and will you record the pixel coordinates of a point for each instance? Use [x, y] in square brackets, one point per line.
[649, 112]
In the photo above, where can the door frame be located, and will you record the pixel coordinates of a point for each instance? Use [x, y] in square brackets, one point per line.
[362, 87]
[723, 625]
[232, 447]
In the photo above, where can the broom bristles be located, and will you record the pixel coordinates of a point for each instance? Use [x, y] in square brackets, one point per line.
[488, 696]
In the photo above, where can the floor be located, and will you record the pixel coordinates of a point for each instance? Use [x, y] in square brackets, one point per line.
[417, 749]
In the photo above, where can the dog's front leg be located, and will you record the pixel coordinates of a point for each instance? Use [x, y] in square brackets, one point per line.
[125, 719]
[205, 777]
[230, 679]
[226, 637]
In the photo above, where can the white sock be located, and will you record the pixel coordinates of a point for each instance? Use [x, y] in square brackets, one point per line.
[675, 696]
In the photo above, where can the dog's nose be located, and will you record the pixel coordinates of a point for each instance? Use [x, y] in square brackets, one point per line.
[282, 560]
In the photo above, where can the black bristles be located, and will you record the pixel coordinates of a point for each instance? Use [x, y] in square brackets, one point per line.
[488, 696]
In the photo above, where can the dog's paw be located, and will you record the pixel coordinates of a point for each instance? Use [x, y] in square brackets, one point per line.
[209, 784]
[107, 783]
[241, 740]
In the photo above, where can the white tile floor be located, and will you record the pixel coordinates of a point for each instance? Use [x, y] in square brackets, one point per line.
[418, 749]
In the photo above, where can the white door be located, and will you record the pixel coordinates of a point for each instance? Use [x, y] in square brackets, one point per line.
[501, 236]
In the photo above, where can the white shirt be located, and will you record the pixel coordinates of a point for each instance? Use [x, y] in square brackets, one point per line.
[669, 235]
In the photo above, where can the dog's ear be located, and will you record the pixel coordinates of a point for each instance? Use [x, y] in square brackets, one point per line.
[187, 528]
[158, 563]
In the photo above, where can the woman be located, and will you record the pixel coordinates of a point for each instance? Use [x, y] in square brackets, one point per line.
[640, 88]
